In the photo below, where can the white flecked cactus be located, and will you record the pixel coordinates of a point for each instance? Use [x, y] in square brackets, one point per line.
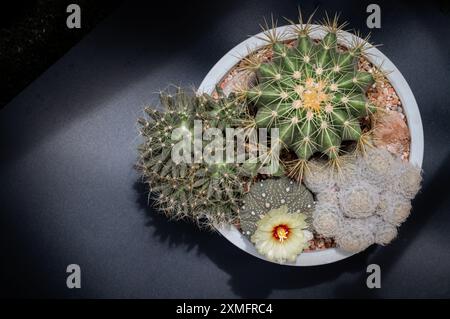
[270, 194]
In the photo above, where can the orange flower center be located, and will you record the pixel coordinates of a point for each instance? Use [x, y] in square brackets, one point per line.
[281, 232]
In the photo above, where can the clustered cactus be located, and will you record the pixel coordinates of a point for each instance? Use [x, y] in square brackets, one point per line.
[206, 193]
[365, 204]
[273, 193]
[312, 92]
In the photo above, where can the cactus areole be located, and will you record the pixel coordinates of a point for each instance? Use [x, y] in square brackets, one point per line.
[313, 93]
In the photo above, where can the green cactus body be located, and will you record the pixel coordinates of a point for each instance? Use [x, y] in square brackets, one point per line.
[313, 93]
[206, 193]
[271, 194]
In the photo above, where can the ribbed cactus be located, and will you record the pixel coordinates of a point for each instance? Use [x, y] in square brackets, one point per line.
[270, 194]
[312, 92]
[367, 202]
[205, 193]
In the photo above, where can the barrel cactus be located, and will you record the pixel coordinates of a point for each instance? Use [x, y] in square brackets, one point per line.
[312, 92]
[206, 193]
[273, 193]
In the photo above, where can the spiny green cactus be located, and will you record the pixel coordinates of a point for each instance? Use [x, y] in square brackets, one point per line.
[270, 194]
[313, 92]
[205, 193]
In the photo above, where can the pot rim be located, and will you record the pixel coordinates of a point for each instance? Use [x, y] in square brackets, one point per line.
[377, 58]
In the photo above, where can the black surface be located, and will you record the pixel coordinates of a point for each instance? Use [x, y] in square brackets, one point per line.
[33, 35]
[70, 194]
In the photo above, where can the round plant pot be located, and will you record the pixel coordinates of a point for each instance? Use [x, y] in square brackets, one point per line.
[411, 110]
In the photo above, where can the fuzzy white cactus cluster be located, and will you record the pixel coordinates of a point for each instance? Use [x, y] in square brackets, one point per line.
[366, 201]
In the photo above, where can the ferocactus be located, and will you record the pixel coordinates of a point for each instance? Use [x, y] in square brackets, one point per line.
[312, 91]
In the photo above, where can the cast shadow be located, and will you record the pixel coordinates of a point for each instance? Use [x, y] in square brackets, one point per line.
[250, 277]
[426, 204]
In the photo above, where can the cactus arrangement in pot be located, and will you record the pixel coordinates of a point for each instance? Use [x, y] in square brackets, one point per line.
[314, 92]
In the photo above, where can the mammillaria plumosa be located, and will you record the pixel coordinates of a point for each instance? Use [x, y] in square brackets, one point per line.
[374, 200]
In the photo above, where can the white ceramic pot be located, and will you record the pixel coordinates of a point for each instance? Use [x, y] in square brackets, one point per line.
[229, 60]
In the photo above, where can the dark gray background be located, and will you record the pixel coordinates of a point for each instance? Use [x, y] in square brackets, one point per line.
[69, 193]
